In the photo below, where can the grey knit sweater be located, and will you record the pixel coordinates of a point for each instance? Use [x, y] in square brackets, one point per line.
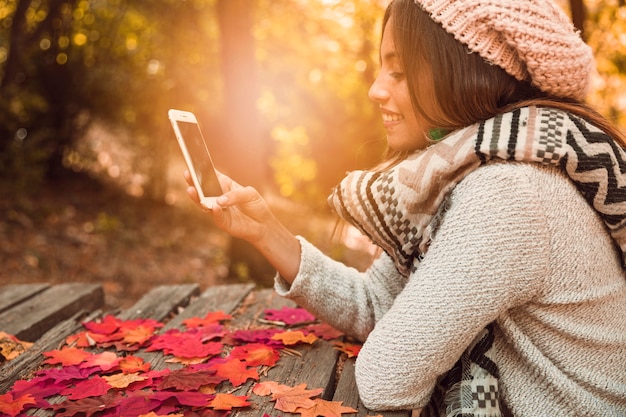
[517, 245]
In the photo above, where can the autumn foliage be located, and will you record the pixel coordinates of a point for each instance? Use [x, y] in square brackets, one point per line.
[100, 371]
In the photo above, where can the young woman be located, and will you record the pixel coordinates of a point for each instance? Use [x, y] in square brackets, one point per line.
[500, 288]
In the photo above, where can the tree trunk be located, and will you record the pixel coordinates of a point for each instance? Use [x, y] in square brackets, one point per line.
[242, 150]
[242, 145]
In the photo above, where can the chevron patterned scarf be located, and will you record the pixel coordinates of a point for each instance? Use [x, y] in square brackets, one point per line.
[394, 208]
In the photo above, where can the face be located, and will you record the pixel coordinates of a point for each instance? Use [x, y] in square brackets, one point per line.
[390, 90]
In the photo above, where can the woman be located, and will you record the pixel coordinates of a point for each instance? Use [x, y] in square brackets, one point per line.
[500, 287]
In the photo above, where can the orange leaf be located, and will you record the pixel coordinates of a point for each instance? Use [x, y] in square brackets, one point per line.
[268, 387]
[211, 318]
[294, 398]
[325, 409]
[130, 364]
[138, 335]
[67, 356]
[255, 354]
[122, 380]
[228, 401]
[11, 347]
[294, 337]
[350, 348]
[14, 406]
[236, 372]
[153, 414]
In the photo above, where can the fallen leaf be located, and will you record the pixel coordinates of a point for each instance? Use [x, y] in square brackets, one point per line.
[211, 318]
[66, 356]
[296, 397]
[131, 364]
[290, 316]
[323, 331]
[269, 387]
[228, 402]
[186, 380]
[14, 406]
[255, 354]
[325, 409]
[123, 380]
[236, 372]
[93, 387]
[11, 347]
[294, 337]
[105, 361]
[351, 349]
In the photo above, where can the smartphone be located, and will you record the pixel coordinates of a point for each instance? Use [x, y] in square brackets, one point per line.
[197, 157]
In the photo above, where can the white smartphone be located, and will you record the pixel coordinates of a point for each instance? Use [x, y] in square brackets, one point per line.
[196, 154]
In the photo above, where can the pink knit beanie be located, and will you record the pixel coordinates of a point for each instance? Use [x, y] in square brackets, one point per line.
[530, 39]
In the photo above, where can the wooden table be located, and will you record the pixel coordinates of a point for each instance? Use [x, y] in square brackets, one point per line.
[47, 314]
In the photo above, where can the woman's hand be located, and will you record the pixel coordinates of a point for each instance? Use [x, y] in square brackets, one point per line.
[243, 213]
[240, 211]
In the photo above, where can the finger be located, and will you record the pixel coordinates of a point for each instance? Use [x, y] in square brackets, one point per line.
[193, 193]
[187, 176]
[237, 196]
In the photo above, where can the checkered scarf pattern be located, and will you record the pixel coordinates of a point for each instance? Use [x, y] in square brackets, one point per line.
[395, 208]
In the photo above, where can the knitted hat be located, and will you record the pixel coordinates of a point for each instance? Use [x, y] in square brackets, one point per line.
[530, 39]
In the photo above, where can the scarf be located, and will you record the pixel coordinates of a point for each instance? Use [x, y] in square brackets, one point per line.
[396, 208]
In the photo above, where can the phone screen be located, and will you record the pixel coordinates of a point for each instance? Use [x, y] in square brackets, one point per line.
[201, 159]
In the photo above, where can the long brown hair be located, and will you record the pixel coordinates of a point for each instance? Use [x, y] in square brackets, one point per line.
[467, 88]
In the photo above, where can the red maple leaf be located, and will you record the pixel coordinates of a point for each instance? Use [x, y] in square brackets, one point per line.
[108, 325]
[290, 316]
[187, 380]
[255, 354]
[236, 372]
[228, 402]
[211, 318]
[325, 409]
[184, 344]
[92, 387]
[66, 356]
[189, 398]
[14, 406]
[296, 397]
[323, 331]
[87, 406]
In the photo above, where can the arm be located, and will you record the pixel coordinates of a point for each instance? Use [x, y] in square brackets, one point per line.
[489, 255]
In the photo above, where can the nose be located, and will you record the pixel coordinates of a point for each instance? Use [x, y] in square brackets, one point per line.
[378, 93]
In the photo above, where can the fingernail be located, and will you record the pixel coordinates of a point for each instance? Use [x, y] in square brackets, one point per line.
[222, 200]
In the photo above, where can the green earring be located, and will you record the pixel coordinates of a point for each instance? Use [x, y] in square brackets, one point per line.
[437, 133]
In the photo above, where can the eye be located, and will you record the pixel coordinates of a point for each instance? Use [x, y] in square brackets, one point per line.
[396, 75]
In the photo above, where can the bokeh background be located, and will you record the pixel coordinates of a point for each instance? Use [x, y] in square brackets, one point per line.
[91, 184]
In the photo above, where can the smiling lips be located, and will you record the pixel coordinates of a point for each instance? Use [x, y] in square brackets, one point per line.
[389, 117]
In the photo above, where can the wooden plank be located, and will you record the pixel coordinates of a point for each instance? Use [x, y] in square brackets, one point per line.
[32, 318]
[314, 365]
[13, 294]
[347, 392]
[160, 302]
[29, 361]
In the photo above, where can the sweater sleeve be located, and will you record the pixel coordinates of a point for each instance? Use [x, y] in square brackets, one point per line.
[489, 255]
[349, 300]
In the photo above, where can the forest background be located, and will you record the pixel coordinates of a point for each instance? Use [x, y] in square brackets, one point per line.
[91, 184]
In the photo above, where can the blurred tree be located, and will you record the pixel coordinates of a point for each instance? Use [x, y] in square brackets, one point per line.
[245, 149]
